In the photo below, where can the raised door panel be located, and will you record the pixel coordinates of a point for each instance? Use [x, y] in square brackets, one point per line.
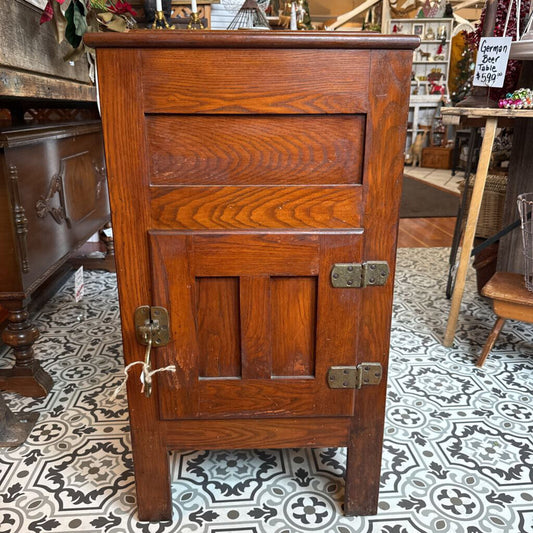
[256, 149]
[255, 323]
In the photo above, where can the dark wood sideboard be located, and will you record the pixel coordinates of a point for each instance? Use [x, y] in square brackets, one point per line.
[53, 197]
[255, 193]
[51, 176]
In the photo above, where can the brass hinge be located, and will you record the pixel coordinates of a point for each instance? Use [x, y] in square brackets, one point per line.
[355, 275]
[354, 377]
[151, 325]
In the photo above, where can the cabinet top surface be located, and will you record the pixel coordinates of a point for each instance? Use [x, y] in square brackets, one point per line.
[24, 135]
[249, 39]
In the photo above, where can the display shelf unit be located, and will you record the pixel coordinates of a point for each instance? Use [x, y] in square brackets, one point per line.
[422, 109]
[428, 62]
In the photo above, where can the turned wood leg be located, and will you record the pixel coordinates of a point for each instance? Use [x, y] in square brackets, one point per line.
[152, 479]
[490, 341]
[26, 377]
[363, 462]
[108, 241]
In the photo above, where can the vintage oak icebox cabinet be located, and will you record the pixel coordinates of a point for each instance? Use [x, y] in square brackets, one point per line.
[254, 181]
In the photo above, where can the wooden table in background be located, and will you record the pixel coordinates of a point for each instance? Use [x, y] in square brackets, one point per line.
[491, 116]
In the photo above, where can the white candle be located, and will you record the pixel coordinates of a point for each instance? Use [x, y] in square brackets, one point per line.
[194, 7]
[158, 5]
[294, 24]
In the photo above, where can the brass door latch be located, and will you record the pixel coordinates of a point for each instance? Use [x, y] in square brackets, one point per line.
[151, 330]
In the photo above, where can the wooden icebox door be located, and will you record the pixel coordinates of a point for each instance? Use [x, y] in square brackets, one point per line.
[256, 323]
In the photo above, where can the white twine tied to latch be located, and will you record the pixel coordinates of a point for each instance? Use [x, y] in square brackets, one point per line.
[146, 376]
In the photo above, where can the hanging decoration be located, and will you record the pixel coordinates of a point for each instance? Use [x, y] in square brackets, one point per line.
[432, 9]
[250, 16]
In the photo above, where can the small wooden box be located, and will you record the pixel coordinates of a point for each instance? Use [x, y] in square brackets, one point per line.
[437, 157]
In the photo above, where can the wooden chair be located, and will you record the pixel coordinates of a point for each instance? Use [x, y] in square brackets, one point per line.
[510, 300]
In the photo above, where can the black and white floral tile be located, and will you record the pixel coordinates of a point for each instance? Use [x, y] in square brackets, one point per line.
[458, 452]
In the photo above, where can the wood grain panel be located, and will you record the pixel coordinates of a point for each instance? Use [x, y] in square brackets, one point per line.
[174, 288]
[261, 150]
[256, 207]
[255, 340]
[263, 398]
[282, 82]
[229, 254]
[218, 329]
[293, 317]
[257, 433]
[79, 185]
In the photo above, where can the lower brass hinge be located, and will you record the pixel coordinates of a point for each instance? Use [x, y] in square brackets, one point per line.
[354, 377]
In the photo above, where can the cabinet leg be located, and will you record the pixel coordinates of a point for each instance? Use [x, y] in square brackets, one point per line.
[152, 479]
[108, 241]
[26, 377]
[363, 468]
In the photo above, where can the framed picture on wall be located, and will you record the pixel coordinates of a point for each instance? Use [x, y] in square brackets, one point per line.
[418, 29]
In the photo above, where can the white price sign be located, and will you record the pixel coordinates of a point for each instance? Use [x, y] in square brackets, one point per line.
[491, 62]
[79, 286]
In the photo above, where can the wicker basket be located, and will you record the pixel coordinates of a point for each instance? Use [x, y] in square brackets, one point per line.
[491, 212]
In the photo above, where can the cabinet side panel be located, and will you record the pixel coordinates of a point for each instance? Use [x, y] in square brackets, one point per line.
[119, 73]
[382, 183]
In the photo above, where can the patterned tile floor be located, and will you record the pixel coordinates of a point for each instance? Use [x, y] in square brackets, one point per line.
[458, 453]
